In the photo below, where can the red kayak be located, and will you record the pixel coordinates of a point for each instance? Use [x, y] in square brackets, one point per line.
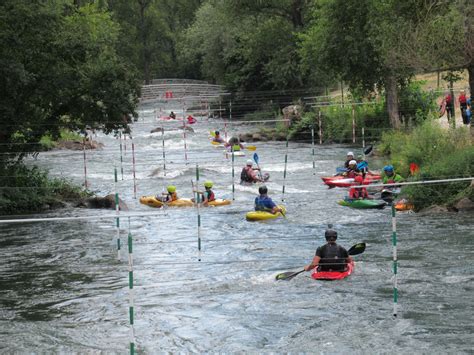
[341, 181]
[333, 275]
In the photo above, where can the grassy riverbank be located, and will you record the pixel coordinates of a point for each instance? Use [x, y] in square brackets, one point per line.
[25, 189]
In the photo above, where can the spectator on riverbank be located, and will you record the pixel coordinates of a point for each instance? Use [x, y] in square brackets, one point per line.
[449, 105]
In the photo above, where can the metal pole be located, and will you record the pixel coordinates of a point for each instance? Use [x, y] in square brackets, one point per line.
[85, 165]
[163, 148]
[117, 220]
[452, 108]
[284, 171]
[133, 170]
[312, 145]
[342, 93]
[363, 141]
[395, 261]
[184, 138]
[121, 155]
[198, 201]
[320, 129]
[233, 173]
[353, 125]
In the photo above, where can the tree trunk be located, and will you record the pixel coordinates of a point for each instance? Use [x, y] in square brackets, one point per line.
[144, 37]
[391, 92]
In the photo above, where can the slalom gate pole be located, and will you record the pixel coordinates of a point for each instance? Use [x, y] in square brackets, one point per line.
[131, 296]
[233, 174]
[86, 185]
[125, 144]
[198, 201]
[284, 171]
[312, 146]
[320, 129]
[184, 137]
[134, 174]
[121, 154]
[117, 220]
[363, 139]
[163, 148]
[353, 125]
[395, 261]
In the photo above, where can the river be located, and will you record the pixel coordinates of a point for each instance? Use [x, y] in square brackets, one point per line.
[63, 289]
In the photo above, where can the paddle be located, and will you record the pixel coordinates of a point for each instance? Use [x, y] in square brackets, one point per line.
[368, 149]
[356, 249]
[255, 157]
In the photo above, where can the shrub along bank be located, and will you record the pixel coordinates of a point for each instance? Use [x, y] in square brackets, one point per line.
[440, 154]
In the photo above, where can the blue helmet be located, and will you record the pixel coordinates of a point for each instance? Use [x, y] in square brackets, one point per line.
[388, 168]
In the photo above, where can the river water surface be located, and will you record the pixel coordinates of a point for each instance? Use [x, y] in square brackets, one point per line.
[63, 289]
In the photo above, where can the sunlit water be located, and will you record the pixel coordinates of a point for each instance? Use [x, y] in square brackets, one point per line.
[63, 289]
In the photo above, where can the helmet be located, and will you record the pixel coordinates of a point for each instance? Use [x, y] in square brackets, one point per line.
[216, 133]
[360, 157]
[353, 162]
[250, 162]
[359, 179]
[208, 184]
[262, 190]
[171, 188]
[350, 153]
[330, 234]
[388, 168]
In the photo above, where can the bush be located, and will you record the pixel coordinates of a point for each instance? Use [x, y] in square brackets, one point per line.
[27, 189]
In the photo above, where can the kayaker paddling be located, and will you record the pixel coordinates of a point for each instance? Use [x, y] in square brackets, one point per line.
[249, 173]
[170, 195]
[265, 203]
[331, 256]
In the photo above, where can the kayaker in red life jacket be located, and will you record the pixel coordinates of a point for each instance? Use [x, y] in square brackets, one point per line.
[172, 195]
[217, 137]
[207, 195]
[361, 193]
[191, 119]
[249, 174]
[330, 257]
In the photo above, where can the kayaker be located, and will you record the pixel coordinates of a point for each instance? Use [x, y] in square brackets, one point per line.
[390, 177]
[362, 165]
[170, 196]
[350, 156]
[234, 144]
[265, 203]
[330, 257]
[172, 115]
[352, 170]
[208, 195]
[191, 119]
[217, 137]
[360, 193]
[249, 173]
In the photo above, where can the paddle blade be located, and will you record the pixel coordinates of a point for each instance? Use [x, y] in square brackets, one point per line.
[251, 147]
[368, 149]
[255, 157]
[215, 143]
[287, 275]
[357, 249]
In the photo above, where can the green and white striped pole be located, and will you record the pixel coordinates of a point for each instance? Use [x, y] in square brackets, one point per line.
[312, 145]
[395, 261]
[233, 173]
[163, 148]
[198, 201]
[284, 171]
[117, 220]
[131, 297]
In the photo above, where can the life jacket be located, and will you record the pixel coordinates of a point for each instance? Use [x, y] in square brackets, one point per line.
[462, 99]
[334, 257]
[235, 147]
[448, 99]
[358, 193]
[245, 176]
[173, 196]
[210, 195]
[260, 204]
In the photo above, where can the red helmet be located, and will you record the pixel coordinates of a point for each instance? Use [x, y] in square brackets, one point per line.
[359, 179]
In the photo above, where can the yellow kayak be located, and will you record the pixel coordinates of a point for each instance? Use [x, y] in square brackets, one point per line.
[152, 201]
[262, 215]
[219, 202]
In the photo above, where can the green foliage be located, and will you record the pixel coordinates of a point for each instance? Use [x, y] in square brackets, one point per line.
[440, 154]
[25, 189]
[47, 142]
[416, 105]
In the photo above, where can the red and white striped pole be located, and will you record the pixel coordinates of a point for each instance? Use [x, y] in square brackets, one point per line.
[133, 169]
[85, 164]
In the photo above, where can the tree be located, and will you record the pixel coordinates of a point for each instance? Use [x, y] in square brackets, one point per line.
[59, 68]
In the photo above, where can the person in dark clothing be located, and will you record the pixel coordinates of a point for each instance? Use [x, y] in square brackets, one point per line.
[330, 257]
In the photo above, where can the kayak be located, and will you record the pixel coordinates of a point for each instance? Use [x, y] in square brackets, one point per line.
[341, 181]
[238, 153]
[362, 204]
[219, 202]
[404, 205]
[152, 201]
[333, 275]
[168, 118]
[262, 215]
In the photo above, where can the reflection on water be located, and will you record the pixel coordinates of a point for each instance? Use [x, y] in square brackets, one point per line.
[62, 288]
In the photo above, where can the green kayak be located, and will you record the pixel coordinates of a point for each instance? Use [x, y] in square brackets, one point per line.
[362, 204]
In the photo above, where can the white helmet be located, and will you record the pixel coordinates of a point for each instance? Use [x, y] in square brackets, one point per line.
[250, 162]
[350, 153]
[353, 162]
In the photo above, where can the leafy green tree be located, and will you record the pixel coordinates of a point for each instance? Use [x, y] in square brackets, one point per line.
[59, 68]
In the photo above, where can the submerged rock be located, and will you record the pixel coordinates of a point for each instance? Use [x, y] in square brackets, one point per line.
[79, 145]
[155, 130]
[103, 202]
[464, 204]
